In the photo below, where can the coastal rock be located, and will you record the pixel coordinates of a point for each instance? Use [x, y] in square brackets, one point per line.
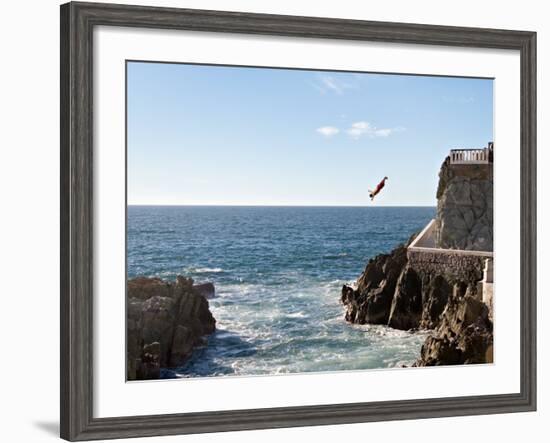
[149, 363]
[165, 321]
[435, 296]
[465, 334]
[465, 207]
[206, 289]
[371, 301]
[406, 308]
[404, 295]
[438, 290]
[463, 330]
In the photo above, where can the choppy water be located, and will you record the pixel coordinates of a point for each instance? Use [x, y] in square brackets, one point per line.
[278, 273]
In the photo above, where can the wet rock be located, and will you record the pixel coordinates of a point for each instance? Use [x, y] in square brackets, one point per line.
[406, 308]
[165, 321]
[435, 296]
[182, 346]
[206, 289]
[371, 301]
[149, 363]
[465, 335]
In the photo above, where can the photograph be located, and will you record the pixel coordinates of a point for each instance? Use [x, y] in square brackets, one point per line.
[284, 221]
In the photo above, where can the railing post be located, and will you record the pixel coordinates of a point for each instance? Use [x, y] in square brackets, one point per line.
[465, 156]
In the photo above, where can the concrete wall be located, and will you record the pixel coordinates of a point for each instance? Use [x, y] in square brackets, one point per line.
[426, 238]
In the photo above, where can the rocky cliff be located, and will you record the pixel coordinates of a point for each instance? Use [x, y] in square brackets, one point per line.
[437, 290]
[465, 207]
[464, 335]
[403, 295]
[165, 322]
[371, 300]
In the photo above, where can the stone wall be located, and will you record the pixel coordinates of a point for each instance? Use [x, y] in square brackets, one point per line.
[453, 266]
[465, 207]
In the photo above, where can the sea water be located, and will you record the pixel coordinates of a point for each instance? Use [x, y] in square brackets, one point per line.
[278, 273]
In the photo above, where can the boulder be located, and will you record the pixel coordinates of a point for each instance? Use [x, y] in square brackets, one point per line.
[165, 322]
[149, 363]
[465, 334]
[406, 308]
[435, 295]
[371, 301]
[206, 289]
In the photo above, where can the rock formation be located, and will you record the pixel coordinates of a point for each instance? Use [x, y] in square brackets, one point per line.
[165, 321]
[437, 290]
[371, 301]
[465, 207]
[206, 289]
[465, 334]
[406, 308]
[391, 291]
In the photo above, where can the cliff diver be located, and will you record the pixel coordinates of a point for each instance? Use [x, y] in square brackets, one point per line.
[378, 188]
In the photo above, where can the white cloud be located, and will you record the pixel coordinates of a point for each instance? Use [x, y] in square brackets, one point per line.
[360, 129]
[328, 131]
[363, 128]
[328, 83]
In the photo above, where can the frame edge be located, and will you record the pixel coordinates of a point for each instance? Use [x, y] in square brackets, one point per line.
[76, 394]
[65, 142]
[528, 178]
[76, 237]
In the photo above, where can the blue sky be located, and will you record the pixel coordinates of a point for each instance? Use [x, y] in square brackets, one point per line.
[257, 136]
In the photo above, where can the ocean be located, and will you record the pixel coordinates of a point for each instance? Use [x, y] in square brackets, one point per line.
[278, 272]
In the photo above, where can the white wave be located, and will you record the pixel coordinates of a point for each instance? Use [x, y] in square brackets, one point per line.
[205, 270]
[297, 315]
[163, 274]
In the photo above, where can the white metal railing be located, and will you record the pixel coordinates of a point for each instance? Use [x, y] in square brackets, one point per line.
[469, 156]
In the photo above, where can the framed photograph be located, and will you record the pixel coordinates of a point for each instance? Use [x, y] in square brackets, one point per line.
[272, 221]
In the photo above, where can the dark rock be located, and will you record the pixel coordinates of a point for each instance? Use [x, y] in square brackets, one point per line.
[206, 289]
[371, 302]
[465, 334]
[165, 321]
[391, 291]
[149, 364]
[406, 308]
[143, 288]
[435, 295]
[182, 345]
[351, 300]
[378, 304]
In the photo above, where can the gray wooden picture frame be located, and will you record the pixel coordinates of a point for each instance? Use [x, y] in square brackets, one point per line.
[77, 23]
